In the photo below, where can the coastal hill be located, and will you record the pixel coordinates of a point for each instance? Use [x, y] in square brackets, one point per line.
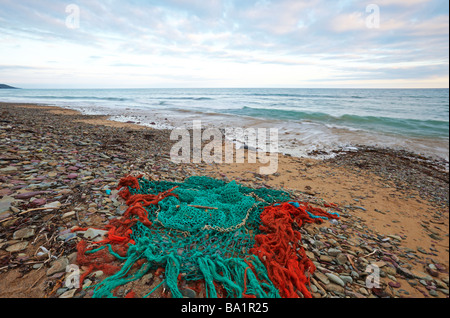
[4, 86]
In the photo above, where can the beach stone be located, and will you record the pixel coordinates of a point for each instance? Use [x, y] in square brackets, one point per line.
[334, 252]
[322, 277]
[341, 259]
[326, 258]
[53, 205]
[318, 244]
[364, 291]
[65, 191]
[355, 274]
[42, 186]
[433, 293]
[87, 283]
[440, 283]
[68, 294]
[381, 293]
[354, 294]
[5, 192]
[392, 278]
[421, 275]
[52, 174]
[38, 265]
[335, 279]
[38, 202]
[92, 210]
[5, 204]
[58, 266]
[389, 270]
[23, 233]
[395, 284]
[386, 245]
[14, 209]
[333, 242]
[444, 291]
[405, 272]
[61, 291]
[17, 247]
[97, 274]
[8, 170]
[27, 195]
[432, 272]
[188, 293]
[65, 235]
[380, 264]
[435, 236]
[147, 279]
[395, 237]
[68, 214]
[121, 209]
[333, 288]
[310, 255]
[421, 250]
[95, 235]
[346, 279]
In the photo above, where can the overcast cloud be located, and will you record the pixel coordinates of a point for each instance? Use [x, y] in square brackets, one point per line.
[224, 43]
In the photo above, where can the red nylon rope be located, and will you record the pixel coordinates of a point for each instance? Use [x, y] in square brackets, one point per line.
[287, 267]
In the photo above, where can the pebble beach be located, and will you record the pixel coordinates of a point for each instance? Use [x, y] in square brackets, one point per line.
[60, 169]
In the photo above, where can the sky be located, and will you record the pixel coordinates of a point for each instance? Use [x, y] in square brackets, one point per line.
[224, 43]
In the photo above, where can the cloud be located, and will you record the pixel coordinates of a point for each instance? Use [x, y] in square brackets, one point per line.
[171, 34]
[401, 3]
[17, 67]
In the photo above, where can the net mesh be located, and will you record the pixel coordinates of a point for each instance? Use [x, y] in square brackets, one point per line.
[233, 238]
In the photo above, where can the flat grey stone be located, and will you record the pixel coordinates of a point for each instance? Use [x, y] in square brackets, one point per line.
[58, 266]
[23, 233]
[335, 279]
[17, 247]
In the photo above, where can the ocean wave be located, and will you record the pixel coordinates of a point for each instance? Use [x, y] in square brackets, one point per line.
[182, 98]
[305, 95]
[412, 127]
[74, 98]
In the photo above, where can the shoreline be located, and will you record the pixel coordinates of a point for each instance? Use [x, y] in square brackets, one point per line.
[383, 193]
[301, 138]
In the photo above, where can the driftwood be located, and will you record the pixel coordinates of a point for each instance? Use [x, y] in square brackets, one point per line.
[28, 211]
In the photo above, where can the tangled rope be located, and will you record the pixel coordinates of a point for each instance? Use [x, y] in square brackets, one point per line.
[236, 241]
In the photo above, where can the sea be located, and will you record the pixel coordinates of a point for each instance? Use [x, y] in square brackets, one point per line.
[309, 121]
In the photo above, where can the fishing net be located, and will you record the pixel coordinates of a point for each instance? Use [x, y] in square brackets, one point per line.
[237, 241]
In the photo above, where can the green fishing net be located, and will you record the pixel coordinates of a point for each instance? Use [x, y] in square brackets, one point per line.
[203, 233]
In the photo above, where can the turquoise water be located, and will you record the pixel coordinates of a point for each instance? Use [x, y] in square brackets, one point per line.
[319, 118]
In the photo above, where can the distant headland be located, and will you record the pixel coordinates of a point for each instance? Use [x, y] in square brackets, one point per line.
[4, 86]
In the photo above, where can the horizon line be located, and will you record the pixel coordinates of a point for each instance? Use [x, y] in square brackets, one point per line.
[262, 87]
